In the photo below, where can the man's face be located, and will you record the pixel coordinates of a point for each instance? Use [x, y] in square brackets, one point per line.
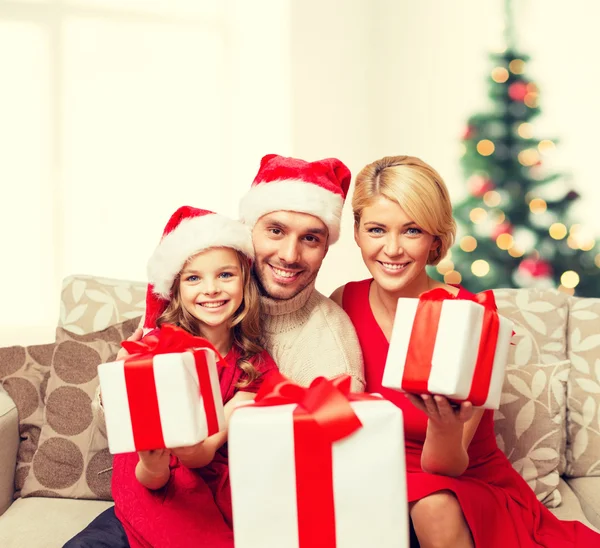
[289, 248]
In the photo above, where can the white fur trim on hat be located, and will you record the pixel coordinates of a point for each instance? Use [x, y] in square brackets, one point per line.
[192, 236]
[293, 195]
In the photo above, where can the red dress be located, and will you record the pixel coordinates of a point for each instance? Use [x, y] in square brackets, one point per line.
[194, 508]
[500, 508]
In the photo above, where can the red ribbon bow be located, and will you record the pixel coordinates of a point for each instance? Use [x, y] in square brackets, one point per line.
[422, 341]
[141, 386]
[323, 416]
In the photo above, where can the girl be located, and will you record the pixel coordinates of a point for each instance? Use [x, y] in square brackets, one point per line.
[199, 280]
[462, 490]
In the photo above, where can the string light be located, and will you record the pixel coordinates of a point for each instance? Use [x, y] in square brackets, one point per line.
[597, 260]
[480, 268]
[546, 146]
[468, 244]
[485, 147]
[462, 150]
[505, 241]
[567, 290]
[537, 205]
[478, 215]
[500, 75]
[529, 157]
[452, 277]
[516, 252]
[532, 88]
[445, 265]
[517, 66]
[525, 130]
[557, 231]
[581, 238]
[492, 198]
[531, 100]
[569, 279]
[499, 217]
[572, 242]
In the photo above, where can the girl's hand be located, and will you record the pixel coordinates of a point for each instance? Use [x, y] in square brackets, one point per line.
[155, 461]
[195, 456]
[440, 411]
[136, 336]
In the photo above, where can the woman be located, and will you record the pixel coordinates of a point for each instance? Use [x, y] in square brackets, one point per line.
[462, 490]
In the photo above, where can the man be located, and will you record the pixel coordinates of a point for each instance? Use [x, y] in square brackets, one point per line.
[294, 208]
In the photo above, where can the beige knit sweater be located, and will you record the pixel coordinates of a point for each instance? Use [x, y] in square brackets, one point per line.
[310, 336]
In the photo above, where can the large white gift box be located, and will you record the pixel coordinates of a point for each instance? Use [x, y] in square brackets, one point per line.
[292, 488]
[165, 400]
[453, 347]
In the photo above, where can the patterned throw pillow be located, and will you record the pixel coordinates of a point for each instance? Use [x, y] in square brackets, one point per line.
[89, 304]
[530, 425]
[583, 417]
[72, 458]
[24, 374]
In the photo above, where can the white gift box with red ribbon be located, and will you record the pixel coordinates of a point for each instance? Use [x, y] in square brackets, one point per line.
[293, 487]
[457, 348]
[155, 401]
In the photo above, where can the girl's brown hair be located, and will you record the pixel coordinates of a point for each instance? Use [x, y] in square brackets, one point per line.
[245, 323]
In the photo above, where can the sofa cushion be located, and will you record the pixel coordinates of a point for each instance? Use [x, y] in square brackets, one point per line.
[24, 374]
[530, 424]
[583, 415]
[540, 322]
[571, 508]
[43, 522]
[89, 304]
[588, 493]
[72, 458]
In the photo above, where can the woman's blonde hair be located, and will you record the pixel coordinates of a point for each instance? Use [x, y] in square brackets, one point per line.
[245, 322]
[417, 188]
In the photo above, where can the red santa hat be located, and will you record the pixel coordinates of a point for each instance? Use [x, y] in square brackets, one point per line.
[288, 184]
[189, 231]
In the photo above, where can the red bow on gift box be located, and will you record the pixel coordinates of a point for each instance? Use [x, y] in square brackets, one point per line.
[323, 416]
[141, 388]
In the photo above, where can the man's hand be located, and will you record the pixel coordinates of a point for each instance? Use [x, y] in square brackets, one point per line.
[136, 336]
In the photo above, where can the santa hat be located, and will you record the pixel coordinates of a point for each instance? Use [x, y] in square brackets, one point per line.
[188, 232]
[288, 184]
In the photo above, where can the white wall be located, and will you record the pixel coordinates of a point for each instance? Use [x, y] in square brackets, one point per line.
[173, 108]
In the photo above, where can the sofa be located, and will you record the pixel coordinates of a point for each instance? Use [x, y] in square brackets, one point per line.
[55, 466]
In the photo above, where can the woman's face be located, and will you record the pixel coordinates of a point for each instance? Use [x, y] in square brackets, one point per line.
[394, 248]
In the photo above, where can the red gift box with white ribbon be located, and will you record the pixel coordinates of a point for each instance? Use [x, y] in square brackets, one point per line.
[166, 394]
[317, 467]
[457, 348]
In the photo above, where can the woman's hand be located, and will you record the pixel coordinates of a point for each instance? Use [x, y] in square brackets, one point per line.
[136, 336]
[152, 470]
[440, 411]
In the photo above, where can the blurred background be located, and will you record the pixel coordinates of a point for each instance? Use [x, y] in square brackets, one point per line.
[115, 112]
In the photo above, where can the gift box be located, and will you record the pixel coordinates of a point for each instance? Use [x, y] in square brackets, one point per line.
[167, 394]
[317, 467]
[448, 346]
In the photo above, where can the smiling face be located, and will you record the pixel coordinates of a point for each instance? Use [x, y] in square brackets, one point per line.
[394, 248]
[289, 249]
[211, 286]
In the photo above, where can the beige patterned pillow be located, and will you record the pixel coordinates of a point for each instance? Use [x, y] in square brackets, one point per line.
[540, 324]
[90, 304]
[530, 425]
[24, 374]
[583, 416]
[72, 458]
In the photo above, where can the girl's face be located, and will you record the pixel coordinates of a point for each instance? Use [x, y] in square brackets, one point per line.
[394, 248]
[211, 286]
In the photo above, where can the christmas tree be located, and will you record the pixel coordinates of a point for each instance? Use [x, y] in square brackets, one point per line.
[514, 227]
